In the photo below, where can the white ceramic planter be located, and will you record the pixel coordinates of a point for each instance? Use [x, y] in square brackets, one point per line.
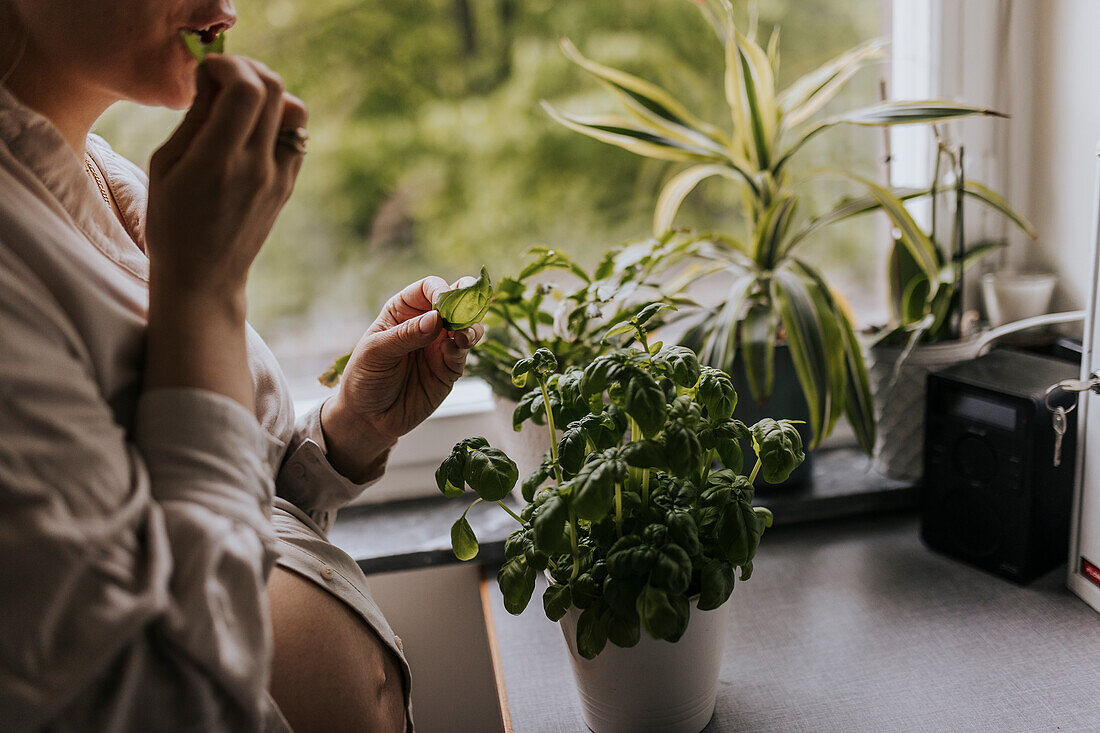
[899, 396]
[654, 686]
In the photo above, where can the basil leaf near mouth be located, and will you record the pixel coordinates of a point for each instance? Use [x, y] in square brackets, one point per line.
[199, 49]
[464, 307]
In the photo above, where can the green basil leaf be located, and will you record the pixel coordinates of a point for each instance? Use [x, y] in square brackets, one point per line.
[644, 400]
[556, 601]
[682, 450]
[521, 370]
[623, 631]
[778, 445]
[463, 540]
[599, 374]
[658, 616]
[517, 582]
[647, 313]
[544, 362]
[534, 481]
[548, 521]
[644, 454]
[622, 595]
[672, 569]
[572, 450]
[716, 584]
[716, 393]
[592, 631]
[331, 377]
[680, 363]
[449, 477]
[463, 307]
[490, 473]
[593, 489]
[684, 532]
[199, 49]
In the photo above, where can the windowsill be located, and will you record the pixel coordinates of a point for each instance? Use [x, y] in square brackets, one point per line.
[415, 533]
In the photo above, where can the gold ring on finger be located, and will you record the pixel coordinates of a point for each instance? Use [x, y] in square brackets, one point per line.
[294, 138]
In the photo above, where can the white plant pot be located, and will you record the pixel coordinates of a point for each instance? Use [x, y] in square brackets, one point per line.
[899, 402]
[1014, 296]
[528, 446]
[654, 686]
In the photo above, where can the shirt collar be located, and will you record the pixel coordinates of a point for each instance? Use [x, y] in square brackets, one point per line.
[36, 144]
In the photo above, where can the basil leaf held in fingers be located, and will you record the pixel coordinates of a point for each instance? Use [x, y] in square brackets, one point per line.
[331, 377]
[464, 307]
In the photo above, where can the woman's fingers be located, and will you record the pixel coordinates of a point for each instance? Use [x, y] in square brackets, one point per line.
[237, 107]
[294, 117]
[468, 338]
[263, 135]
[174, 148]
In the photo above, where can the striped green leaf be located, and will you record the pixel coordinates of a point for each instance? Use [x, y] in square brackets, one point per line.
[625, 134]
[682, 184]
[802, 99]
[758, 331]
[807, 344]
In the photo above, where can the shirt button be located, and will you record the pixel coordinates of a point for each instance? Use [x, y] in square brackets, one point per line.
[327, 573]
[398, 643]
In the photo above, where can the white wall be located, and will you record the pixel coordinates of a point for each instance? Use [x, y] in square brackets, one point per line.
[1062, 159]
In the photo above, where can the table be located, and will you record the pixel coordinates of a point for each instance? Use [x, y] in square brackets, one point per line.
[854, 625]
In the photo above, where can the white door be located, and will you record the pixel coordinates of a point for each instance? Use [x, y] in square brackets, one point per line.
[1084, 543]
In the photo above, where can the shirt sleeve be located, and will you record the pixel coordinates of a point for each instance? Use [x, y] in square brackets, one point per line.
[309, 481]
[134, 566]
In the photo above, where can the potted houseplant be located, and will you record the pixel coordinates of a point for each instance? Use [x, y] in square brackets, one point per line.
[576, 313]
[638, 512]
[928, 330]
[778, 307]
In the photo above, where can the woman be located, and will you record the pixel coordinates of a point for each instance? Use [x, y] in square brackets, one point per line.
[163, 517]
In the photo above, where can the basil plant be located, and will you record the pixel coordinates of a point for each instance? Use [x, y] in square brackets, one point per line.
[640, 507]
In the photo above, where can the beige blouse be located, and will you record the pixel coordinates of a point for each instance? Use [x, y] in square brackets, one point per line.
[137, 529]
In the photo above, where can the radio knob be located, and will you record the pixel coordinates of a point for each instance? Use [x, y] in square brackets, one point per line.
[974, 459]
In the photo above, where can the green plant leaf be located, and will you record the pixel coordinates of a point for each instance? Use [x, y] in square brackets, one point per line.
[450, 476]
[672, 569]
[463, 540]
[644, 400]
[680, 363]
[331, 377]
[858, 403]
[802, 99]
[548, 522]
[657, 613]
[547, 259]
[758, 334]
[199, 49]
[679, 186]
[757, 93]
[593, 488]
[623, 631]
[779, 448]
[994, 200]
[807, 345]
[490, 473]
[592, 631]
[463, 307]
[517, 582]
[716, 393]
[628, 136]
[556, 601]
[715, 584]
[913, 112]
[648, 100]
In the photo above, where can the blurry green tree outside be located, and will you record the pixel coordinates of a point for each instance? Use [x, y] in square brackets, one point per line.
[429, 153]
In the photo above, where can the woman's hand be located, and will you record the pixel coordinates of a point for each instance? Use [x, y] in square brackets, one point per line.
[401, 370]
[217, 185]
[215, 189]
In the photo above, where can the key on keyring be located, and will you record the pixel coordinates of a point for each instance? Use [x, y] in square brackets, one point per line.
[1059, 433]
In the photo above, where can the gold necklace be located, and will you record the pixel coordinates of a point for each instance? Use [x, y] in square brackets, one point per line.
[95, 177]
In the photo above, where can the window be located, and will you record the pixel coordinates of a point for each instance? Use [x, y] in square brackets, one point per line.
[429, 152]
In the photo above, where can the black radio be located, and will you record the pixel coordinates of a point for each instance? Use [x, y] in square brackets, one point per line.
[991, 494]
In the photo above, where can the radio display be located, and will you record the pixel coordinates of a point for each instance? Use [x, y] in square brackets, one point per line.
[982, 410]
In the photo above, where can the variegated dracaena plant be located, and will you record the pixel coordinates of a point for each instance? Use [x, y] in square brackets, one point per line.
[773, 287]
